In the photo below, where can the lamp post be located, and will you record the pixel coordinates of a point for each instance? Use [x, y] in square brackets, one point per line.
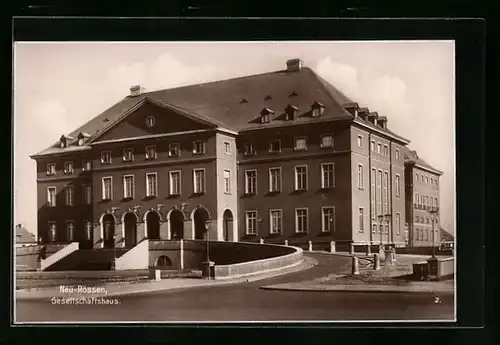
[207, 226]
[114, 252]
[434, 213]
[208, 266]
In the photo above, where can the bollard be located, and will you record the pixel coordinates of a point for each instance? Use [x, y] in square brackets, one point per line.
[376, 262]
[286, 242]
[355, 265]
[261, 241]
[369, 249]
[332, 247]
[352, 248]
[310, 246]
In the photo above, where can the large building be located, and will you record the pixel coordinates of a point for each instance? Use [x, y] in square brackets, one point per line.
[276, 156]
[422, 201]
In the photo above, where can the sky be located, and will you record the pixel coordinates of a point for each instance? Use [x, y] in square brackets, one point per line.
[60, 86]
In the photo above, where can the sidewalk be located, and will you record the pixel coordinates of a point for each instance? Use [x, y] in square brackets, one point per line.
[121, 289]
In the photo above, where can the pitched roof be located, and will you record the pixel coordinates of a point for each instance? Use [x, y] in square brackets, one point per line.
[23, 235]
[411, 156]
[220, 102]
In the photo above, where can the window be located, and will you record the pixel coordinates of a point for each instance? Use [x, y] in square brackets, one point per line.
[398, 188]
[128, 155]
[416, 177]
[265, 118]
[70, 195]
[300, 144]
[386, 192]
[227, 147]
[151, 152]
[276, 220]
[360, 177]
[427, 180]
[379, 147]
[386, 150]
[416, 199]
[175, 182]
[301, 177]
[301, 221]
[128, 186]
[361, 219]
[397, 154]
[151, 185]
[373, 197]
[386, 229]
[275, 179]
[374, 228]
[70, 230]
[327, 175]
[199, 181]
[398, 223]
[250, 150]
[379, 192]
[106, 157]
[87, 194]
[328, 219]
[372, 146]
[174, 150]
[150, 121]
[68, 167]
[250, 181]
[275, 146]
[107, 188]
[199, 147]
[52, 232]
[88, 230]
[251, 222]
[227, 181]
[326, 141]
[51, 196]
[360, 141]
[427, 234]
[51, 169]
[86, 165]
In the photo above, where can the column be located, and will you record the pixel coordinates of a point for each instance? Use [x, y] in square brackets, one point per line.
[188, 230]
[164, 230]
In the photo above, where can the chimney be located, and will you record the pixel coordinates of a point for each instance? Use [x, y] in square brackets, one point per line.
[135, 90]
[294, 65]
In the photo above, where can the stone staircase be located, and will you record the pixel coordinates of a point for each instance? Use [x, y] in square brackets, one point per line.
[88, 260]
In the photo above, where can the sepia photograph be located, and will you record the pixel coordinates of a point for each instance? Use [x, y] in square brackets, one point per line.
[208, 182]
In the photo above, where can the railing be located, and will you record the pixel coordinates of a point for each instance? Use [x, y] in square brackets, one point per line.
[70, 248]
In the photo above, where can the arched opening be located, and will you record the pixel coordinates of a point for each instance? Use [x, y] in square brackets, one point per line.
[108, 224]
[176, 221]
[153, 225]
[130, 224]
[227, 224]
[163, 262]
[200, 216]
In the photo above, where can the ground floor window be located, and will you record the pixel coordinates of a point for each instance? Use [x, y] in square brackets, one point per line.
[251, 222]
[301, 220]
[276, 221]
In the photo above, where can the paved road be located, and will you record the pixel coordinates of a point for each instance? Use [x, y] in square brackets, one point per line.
[246, 302]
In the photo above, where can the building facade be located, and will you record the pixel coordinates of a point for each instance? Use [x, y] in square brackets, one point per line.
[423, 200]
[276, 156]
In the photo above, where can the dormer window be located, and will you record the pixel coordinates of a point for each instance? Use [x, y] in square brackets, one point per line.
[150, 121]
[265, 115]
[64, 141]
[291, 112]
[82, 137]
[317, 109]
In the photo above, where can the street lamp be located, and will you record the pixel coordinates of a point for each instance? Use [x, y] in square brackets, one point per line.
[207, 226]
[434, 213]
[207, 266]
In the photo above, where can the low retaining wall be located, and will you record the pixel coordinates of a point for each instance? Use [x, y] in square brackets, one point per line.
[27, 257]
[423, 251]
[135, 258]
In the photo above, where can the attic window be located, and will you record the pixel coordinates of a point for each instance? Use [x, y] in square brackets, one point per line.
[265, 115]
[290, 112]
[293, 94]
[317, 109]
[243, 100]
[150, 121]
[105, 120]
[63, 143]
[268, 97]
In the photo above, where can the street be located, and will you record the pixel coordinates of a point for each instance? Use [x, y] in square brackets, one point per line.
[246, 302]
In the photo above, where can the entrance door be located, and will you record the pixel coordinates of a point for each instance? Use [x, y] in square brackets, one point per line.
[200, 216]
[153, 225]
[176, 220]
[130, 224]
[227, 224]
[108, 223]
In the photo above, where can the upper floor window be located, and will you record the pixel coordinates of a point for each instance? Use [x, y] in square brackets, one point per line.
[326, 141]
[174, 150]
[86, 165]
[379, 148]
[150, 121]
[360, 177]
[276, 221]
[327, 175]
[398, 185]
[372, 145]
[106, 157]
[227, 181]
[301, 220]
[275, 146]
[107, 188]
[52, 232]
[250, 150]
[151, 185]
[361, 219]
[360, 141]
[386, 150]
[198, 147]
[175, 182]
[301, 177]
[128, 155]
[51, 169]
[89, 229]
[199, 181]
[151, 152]
[87, 194]
[70, 230]
[227, 147]
[70, 195]
[397, 154]
[51, 196]
[68, 167]
[128, 186]
[250, 181]
[300, 144]
[427, 180]
[275, 179]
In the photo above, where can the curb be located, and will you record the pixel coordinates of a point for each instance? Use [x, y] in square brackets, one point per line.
[356, 288]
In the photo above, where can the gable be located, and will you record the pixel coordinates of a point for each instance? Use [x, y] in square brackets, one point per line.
[165, 121]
